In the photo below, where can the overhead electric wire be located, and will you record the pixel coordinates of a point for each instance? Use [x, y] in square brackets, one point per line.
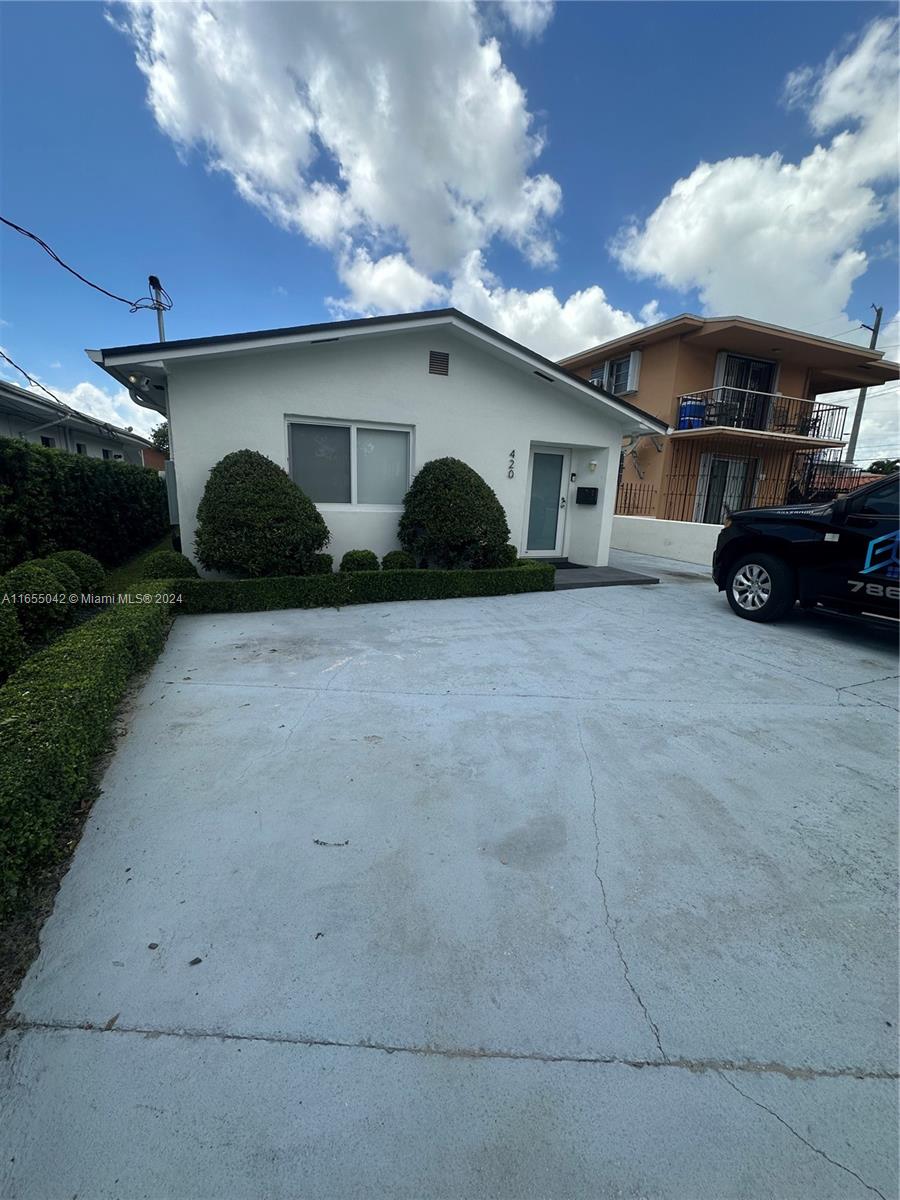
[32, 380]
[133, 305]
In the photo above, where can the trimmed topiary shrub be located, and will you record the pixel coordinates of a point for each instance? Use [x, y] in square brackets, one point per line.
[38, 618]
[254, 520]
[359, 560]
[398, 560]
[91, 574]
[56, 715]
[322, 564]
[50, 500]
[12, 647]
[452, 519]
[64, 575]
[168, 564]
[509, 556]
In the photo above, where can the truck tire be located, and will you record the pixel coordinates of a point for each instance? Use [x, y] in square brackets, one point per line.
[760, 587]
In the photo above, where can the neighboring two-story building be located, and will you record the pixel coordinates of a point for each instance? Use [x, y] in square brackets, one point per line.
[38, 419]
[742, 398]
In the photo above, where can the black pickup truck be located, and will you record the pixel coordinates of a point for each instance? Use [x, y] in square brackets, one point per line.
[842, 555]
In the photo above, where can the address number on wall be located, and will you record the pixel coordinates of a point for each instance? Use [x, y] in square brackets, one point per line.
[511, 470]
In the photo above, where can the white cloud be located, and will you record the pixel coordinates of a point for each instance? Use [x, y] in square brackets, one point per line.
[116, 407]
[389, 284]
[780, 240]
[553, 327]
[392, 124]
[528, 17]
[393, 135]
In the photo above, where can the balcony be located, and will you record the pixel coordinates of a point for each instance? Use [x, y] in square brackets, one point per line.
[790, 418]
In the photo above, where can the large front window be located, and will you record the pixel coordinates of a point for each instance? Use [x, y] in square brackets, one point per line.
[350, 463]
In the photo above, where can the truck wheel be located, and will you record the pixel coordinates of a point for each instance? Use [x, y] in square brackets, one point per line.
[760, 587]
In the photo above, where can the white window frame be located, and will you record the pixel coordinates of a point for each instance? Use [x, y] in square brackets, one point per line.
[601, 373]
[353, 426]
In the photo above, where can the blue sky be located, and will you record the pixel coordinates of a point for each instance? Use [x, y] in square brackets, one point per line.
[626, 99]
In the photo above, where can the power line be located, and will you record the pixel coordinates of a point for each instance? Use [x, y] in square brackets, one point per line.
[163, 301]
[31, 379]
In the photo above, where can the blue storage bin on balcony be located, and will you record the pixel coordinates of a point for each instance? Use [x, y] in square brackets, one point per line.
[691, 414]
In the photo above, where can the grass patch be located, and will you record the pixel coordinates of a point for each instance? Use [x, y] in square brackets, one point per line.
[133, 572]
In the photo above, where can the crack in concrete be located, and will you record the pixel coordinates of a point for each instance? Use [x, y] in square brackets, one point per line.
[866, 682]
[596, 697]
[815, 1149]
[606, 913]
[697, 1066]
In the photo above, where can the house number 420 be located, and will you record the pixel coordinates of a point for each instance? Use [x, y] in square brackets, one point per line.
[511, 472]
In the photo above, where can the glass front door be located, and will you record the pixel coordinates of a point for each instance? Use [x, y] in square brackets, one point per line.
[546, 510]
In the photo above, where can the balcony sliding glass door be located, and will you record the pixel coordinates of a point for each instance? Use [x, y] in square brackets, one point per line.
[745, 395]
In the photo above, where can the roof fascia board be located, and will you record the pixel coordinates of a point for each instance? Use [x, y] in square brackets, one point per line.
[583, 388]
[114, 363]
[213, 348]
[672, 327]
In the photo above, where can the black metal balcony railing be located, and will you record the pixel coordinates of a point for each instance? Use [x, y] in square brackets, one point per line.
[736, 408]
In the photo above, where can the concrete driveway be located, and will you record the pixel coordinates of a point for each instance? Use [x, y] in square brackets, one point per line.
[587, 894]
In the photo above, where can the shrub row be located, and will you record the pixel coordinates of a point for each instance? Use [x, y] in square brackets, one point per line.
[56, 714]
[51, 500]
[354, 587]
[27, 624]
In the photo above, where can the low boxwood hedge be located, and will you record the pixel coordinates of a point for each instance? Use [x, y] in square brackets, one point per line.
[354, 587]
[63, 574]
[56, 714]
[90, 573]
[25, 588]
[360, 560]
[12, 645]
[398, 560]
[168, 564]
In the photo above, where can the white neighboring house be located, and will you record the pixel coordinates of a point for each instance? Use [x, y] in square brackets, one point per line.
[353, 409]
[45, 423]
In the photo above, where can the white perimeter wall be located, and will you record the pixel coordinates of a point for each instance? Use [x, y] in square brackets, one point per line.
[686, 541]
[480, 412]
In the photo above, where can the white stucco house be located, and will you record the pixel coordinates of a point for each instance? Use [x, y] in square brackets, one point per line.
[353, 409]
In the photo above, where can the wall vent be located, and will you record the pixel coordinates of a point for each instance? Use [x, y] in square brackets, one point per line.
[438, 362]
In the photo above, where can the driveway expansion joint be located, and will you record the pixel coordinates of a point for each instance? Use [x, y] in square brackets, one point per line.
[610, 925]
[815, 1149]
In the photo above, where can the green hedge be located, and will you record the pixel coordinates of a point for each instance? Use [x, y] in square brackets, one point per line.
[51, 500]
[39, 618]
[168, 564]
[90, 573]
[12, 645]
[56, 714]
[360, 560]
[353, 587]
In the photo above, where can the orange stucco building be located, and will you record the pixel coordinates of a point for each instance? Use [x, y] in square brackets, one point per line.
[742, 399]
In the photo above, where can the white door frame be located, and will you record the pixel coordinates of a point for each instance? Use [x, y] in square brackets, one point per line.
[566, 454]
[749, 462]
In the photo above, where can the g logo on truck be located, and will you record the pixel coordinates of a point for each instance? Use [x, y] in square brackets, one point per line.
[883, 555]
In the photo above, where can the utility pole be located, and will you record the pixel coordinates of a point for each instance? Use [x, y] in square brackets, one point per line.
[860, 404]
[156, 292]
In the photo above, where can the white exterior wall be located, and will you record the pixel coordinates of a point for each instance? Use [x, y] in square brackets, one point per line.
[686, 541]
[32, 429]
[485, 408]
